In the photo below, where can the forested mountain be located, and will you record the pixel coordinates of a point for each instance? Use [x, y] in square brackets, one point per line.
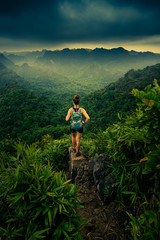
[28, 115]
[24, 113]
[16, 58]
[70, 71]
[44, 80]
[103, 105]
[64, 80]
[2, 66]
[19, 57]
[8, 76]
[4, 60]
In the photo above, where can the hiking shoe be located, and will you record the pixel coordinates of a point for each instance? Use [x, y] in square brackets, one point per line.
[78, 154]
[73, 150]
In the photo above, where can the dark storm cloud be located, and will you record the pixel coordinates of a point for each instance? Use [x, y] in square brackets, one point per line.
[13, 7]
[83, 20]
[110, 19]
[143, 3]
[28, 19]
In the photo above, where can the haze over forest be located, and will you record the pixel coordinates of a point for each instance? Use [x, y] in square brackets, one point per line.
[63, 73]
[37, 87]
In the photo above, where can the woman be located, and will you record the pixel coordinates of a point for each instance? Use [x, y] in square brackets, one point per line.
[75, 115]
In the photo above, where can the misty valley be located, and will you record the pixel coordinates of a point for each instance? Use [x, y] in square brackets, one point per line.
[37, 88]
[67, 72]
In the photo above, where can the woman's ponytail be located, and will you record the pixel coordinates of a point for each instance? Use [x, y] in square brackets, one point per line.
[76, 99]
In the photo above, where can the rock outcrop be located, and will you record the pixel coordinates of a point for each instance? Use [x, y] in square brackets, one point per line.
[100, 171]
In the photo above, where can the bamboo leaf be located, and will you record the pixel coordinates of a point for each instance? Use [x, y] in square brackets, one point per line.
[50, 218]
[38, 234]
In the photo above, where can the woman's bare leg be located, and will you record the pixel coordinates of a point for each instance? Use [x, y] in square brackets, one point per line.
[74, 140]
[78, 142]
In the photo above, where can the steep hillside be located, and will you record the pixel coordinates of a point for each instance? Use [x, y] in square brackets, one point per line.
[8, 76]
[19, 57]
[4, 60]
[16, 58]
[2, 67]
[27, 115]
[103, 105]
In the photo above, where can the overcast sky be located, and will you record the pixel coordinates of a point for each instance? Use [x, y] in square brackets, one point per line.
[55, 24]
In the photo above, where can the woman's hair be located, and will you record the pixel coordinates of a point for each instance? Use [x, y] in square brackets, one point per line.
[76, 99]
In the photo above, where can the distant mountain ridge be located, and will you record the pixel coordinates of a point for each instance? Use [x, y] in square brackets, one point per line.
[116, 61]
[80, 54]
[15, 58]
[97, 54]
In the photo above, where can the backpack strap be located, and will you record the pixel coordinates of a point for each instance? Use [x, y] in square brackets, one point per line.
[77, 111]
[80, 110]
[72, 111]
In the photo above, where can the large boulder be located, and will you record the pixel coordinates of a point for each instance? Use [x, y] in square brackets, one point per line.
[100, 171]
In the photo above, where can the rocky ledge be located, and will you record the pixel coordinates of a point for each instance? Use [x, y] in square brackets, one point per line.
[103, 219]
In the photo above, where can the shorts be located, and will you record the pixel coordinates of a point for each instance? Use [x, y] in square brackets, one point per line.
[80, 130]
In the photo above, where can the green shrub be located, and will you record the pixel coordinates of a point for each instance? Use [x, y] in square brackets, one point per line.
[6, 150]
[94, 144]
[147, 226]
[47, 150]
[55, 151]
[37, 202]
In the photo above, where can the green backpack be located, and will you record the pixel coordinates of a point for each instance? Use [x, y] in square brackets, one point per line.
[76, 120]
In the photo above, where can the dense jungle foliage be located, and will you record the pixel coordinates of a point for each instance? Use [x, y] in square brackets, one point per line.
[133, 144]
[29, 116]
[36, 200]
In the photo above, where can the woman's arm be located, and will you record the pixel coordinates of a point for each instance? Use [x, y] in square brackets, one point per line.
[86, 115]
[68, 114]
